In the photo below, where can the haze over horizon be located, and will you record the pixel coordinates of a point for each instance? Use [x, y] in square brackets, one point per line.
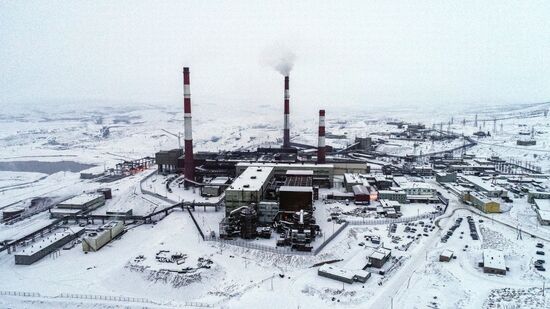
[362, 54]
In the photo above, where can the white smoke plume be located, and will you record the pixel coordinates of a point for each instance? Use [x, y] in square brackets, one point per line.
[281, 59]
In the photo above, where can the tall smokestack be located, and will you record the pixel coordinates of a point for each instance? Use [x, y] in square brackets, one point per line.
[321, 150]
[286, 130]
[188, 132]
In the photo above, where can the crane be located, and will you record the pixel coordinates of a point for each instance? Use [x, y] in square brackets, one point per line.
[178, 136]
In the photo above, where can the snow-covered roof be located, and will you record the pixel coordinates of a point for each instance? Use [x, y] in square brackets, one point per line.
[65, 210]
[447, 253]
[389, 203]
[484, 185]
[416, 185]
[352, 178]
[335, 271]
[286, 165]
[391, 191]
[542, 204]
[295, 189]
[82, 199]
[544, 214]
[299, 173]
[219, 181]
[480, 197]
[494, 259]
[380, 253]
[252, 179]
[360, 189]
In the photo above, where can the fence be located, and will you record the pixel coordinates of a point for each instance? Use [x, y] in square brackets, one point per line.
[250, 245]
[389, 221]
[124, 299]
[338, 231]
[18, 293]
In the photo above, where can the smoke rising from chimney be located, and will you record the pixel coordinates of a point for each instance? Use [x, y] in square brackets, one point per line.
[281, 59]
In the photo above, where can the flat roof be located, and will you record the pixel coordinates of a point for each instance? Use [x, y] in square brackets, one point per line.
[543, 214]
[299, 173]
[252, 179]
[82, 199]
[360, 189]
[219, 181]
[286, 165]
[494, 259]
[391, 192]
[352, 178]
[481, 197]
[65, 210]
[338, 272]
[48, 240]
[447, 253]
[389, 203]
[295, 189]
[542, 204]
[380, 253]
[484, 185]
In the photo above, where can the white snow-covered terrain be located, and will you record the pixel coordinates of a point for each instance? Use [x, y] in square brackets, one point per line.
[168, 264]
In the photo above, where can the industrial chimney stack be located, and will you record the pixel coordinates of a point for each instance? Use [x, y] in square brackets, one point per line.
[188, 132]
[321, 150]
[286, 130]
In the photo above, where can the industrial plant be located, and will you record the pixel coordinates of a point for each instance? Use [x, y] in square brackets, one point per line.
[354, 217]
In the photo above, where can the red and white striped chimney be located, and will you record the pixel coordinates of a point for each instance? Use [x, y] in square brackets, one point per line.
[286, 130]
[321, 150]
[189, 172]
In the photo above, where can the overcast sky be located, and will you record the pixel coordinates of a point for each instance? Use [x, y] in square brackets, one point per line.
[366, 54]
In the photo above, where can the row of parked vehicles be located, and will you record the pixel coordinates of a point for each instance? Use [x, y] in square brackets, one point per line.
[539, 264]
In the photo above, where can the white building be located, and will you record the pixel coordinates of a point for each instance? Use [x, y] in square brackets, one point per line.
[494, 262]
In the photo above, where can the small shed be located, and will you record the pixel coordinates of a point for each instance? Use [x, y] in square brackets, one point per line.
[446, 256]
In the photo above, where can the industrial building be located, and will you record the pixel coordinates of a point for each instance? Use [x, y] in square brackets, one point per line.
[487, 188]
[45, 246]
[12, 212]
[351, 180]
[79, 204]
[295, 198]
[494, 262]
[215, 187]
[93, 241]
[343, 275]
[542, 208]
[442, 177]
[167, 160]
[393, 195]
[361, 194]
[267, 211]
[322, 173]
[481, 202]
[379, 257]
[531, 196]
[249, 188]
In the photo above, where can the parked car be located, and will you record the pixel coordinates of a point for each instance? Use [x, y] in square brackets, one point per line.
[540, 252]
[540, 245]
